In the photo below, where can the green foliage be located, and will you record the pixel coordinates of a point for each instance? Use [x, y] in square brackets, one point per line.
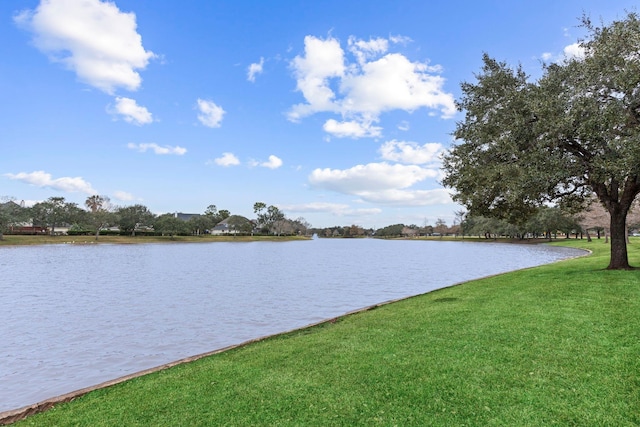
[56, 211]
[573, 133]
[269, 218]
[390, 231]
[11, 213]
[198, 224]
[132, 217]
[168, 224]
[239, 224]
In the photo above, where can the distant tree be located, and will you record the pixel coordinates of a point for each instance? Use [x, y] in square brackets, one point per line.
[301, 225]
[239, 224]
[198, 224]
[268, 216]
[258, 209]
[215, 215]
[10, 214]
[571, 134]
[131, 217]
[485, 226]
[50, 213]
[410, 231]
[212, 210]
[550, 220]
[441, 227]
[427, 229]
[355, 231]
[168, 224]
[390, 231]
[100, 212]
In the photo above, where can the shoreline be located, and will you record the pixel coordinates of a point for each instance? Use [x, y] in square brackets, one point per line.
[14, 415]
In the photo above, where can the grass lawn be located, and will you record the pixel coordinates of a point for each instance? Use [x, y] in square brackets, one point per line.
[553, 345]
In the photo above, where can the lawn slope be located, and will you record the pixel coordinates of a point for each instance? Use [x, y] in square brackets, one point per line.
[553, 345]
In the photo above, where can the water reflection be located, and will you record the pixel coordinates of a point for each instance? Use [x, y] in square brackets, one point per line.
[75, 316]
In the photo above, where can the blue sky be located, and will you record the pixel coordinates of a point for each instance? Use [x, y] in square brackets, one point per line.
[335, 111]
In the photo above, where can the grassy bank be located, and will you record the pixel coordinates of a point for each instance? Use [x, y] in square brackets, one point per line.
[15, 240]
[554, 345]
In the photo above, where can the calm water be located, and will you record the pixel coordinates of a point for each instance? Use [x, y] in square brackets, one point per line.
[78, 315]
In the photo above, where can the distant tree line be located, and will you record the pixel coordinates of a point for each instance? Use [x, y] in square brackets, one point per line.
[99, 216]
[547, 223]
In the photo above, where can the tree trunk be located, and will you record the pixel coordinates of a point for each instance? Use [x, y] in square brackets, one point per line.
[619, 258]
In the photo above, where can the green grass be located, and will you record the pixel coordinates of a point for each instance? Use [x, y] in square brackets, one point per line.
[553, 345]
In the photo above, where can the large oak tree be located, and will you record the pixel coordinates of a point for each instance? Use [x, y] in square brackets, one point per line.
[573, 133]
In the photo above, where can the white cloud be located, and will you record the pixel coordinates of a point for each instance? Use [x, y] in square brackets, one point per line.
[131, 111]
[380, 183]
[274, 162]
[574, 51]
[167, 149]
[91, 37]
[227, 159]
[361, 90]
[438, 196]
[400, 39]
[351, 129]
[337, 209]
[369, 177]
[210, 114]
[411, 152]
[393, 82]
[254, 69]
[364, 50]
[45, 180]
[324, 59]
[123, 196]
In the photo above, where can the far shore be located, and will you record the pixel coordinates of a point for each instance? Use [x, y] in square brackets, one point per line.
[26, 240]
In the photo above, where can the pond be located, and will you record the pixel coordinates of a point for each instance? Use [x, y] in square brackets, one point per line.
[78, 315]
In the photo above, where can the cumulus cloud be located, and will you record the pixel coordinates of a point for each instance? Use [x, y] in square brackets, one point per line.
[411, 152]
[274, 162]
[574, 51]
[210, 113]
[255, 69]
[364, 50]
[167, 149]
[131, 112]
[376, 81]
[45, 180]
[227, 159]
[93, 38]
[380, 183]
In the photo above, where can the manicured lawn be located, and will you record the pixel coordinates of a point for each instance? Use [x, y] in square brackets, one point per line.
[554, 345]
